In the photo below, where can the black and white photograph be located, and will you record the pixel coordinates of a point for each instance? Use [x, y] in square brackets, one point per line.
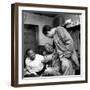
[51, 44]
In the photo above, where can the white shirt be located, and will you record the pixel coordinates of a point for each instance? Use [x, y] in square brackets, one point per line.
[36, 65]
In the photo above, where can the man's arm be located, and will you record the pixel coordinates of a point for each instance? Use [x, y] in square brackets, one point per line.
[47, 58]
[31, 71]
[27, 62]
[66, 38]
[69, 44]
[66, 43]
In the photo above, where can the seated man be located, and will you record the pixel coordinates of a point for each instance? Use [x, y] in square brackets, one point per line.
[48, 49]
[53, 64]
[34, 64]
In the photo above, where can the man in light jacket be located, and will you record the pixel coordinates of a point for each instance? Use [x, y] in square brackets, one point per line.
[64, 47]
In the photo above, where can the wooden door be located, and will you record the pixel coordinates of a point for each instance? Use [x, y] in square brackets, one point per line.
[30, 37]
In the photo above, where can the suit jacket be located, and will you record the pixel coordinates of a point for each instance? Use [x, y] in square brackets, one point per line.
[64, 43]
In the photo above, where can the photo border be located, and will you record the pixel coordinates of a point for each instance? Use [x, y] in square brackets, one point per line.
[14, 43]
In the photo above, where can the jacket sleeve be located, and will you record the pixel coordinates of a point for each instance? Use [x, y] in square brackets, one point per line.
[66, 38]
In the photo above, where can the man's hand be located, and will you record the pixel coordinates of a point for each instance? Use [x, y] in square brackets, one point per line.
[66, 54]
[48, 58]
[34, 73]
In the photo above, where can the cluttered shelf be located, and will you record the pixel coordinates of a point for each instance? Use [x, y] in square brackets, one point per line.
[74, 27]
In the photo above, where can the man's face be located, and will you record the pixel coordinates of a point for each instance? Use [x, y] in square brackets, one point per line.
[50, 34]
[49, 48]
[31, 54]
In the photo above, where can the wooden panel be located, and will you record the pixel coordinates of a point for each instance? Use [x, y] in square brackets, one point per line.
[30, 38]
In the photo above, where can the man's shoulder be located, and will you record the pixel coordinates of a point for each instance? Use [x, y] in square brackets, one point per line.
[27, 58]
[39, 56]
[60, 28]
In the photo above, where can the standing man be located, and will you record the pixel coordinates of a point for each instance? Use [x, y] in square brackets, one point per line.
[64, 47]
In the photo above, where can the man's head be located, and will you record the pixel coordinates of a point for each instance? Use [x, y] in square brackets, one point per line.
[30, 53]
[48, 31]
[49, 48]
